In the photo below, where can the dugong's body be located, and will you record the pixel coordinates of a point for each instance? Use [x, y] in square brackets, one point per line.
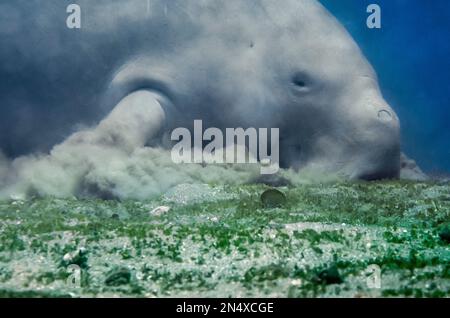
[235, 63]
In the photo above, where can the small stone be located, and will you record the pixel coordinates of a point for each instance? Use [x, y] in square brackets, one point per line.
[445, 234]
[273, 198]
[160, 210]
[330, 276]
[67, 258]
[77, 258]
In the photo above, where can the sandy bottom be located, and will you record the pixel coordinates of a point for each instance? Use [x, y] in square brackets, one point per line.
[381, 239]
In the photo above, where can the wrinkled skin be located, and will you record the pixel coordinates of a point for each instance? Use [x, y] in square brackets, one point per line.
[249, 63]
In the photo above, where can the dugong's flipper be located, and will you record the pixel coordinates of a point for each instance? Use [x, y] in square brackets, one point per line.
[136, 119]
[78, 165]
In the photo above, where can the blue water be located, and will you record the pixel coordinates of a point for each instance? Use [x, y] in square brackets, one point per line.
[411, 53]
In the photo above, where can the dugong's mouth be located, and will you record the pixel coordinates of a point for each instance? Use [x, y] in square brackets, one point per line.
[379, 167]
[386, 173]
[366, 164]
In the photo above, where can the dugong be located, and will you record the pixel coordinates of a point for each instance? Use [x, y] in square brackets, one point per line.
[237, 63]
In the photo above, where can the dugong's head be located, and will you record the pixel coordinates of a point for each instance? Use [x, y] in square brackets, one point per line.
[292, 66]
[334, 115]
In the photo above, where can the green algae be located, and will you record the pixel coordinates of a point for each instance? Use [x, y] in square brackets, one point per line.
[224, 242]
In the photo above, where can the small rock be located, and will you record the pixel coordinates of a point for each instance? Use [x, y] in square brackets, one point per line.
[79, 258]
[160, 210]
[296, 282]
[67, 258]
[273, 198]
[445, 234]
[330, 276]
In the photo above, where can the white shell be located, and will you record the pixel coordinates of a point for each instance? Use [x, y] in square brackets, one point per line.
[160, 210]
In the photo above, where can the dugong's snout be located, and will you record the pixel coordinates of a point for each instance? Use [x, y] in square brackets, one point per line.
[378, 156]
[364, 145]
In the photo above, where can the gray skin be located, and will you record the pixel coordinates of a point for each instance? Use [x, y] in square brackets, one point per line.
[234, 63]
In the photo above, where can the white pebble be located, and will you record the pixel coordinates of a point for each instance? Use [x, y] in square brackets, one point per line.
[67, 257]
[296, 282]
[160, 210]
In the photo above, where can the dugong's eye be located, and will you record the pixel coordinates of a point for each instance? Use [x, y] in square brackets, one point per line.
[300, 81]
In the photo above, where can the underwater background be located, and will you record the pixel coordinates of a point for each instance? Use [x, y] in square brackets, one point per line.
[411, 56]
[179, 234]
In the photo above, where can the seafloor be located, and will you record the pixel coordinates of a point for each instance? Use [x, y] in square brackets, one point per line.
[324, 241]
